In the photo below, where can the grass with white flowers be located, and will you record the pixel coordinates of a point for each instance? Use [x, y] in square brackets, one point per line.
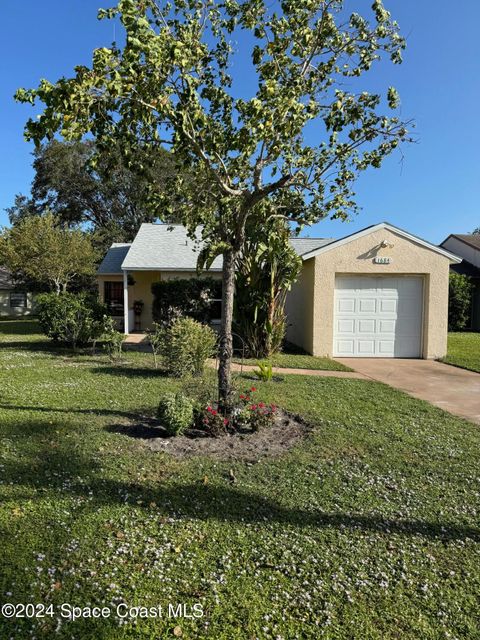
[367, 529]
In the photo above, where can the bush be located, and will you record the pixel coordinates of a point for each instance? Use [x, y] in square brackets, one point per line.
[72, 318]
[175, 412]
[211, 422]
[459, 302]
[190, 297]
[157, 340]
[186, 346]
[113, 340]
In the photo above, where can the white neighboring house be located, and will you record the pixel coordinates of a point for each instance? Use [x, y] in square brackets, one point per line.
[378, 293]
[14, 302]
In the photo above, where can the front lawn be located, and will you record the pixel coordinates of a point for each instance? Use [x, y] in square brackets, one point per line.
[464, 350]
[368, 529]
[299, 361]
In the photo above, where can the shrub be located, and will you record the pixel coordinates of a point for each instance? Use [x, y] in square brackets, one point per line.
[186, 346]
[157, 340]
[190, 297]
[72, 318]
[459, 301]
[264, 371]
[113, 340]
[254, 415]
[175, 412]
[211, 421]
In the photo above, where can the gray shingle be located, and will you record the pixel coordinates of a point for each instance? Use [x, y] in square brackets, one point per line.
[112, 262]
[165, 247]
[305, 245]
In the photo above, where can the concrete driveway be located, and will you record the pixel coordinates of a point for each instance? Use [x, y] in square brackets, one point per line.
[450, 388]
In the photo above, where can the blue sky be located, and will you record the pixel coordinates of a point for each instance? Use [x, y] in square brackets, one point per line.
[434, 191]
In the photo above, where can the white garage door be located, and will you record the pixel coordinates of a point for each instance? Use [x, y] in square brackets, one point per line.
[378, 317]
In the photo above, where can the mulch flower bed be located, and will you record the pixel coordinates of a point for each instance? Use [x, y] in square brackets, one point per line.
[284, 433]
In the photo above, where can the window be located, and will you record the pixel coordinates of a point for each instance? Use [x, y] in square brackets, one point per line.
[18, 299]
[216, 303]
[113, 297]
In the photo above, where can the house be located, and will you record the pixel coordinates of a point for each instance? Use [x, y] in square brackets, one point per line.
[14, 302]
[380, 292]
[467, 246]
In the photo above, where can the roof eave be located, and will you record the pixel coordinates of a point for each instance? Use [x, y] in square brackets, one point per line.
[382, 225]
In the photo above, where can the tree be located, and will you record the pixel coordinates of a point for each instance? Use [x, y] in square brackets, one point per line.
[102, 190]
[268, 268]
[459, 301]
[39, 250]
[171, 86]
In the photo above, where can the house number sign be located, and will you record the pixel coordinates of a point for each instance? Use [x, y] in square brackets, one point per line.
[382, 260]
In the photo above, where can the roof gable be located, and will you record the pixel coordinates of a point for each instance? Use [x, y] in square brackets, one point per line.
[112, 262]
[165, 247]
[472, 239]
[378, 227]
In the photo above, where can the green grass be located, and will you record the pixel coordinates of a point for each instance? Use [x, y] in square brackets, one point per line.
[299, 361]
[464, 350]
[368, 529]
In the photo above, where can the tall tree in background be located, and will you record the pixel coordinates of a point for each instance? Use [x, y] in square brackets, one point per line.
[298, 142]
[105, 191]
[40, 251]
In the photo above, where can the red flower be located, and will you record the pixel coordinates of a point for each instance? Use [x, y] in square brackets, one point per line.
[225, 421]
[261, 405]
[209, 409]
[214, 413]
[253, 389]
[242, 396]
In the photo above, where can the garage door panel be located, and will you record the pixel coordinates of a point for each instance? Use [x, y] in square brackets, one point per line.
[345, 348]
[366, 326]
[346, 326]
[388, 305]
[378, 316]
[346, 305]
[386, 348]
[367, 305]
[386, 326]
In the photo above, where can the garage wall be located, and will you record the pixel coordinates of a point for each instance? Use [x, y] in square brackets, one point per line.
[299, 308]
[408, 258]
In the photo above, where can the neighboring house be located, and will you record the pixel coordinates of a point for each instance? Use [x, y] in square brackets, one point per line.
[380, 292]
[14, 302]
[468, 247]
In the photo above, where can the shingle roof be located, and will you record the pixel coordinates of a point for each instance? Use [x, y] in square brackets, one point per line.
[112, 262]
[473, 239]
[304, 245]
[5, 279]
[165, 247]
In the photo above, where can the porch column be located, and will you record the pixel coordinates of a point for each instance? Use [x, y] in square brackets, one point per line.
[125, 302]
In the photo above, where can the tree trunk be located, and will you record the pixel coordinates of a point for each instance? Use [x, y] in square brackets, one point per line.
[226, 346]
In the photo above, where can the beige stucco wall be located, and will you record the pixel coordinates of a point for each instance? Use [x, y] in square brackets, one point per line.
[7, 310]
[299, 309]
[142, 289]
[356, 257]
